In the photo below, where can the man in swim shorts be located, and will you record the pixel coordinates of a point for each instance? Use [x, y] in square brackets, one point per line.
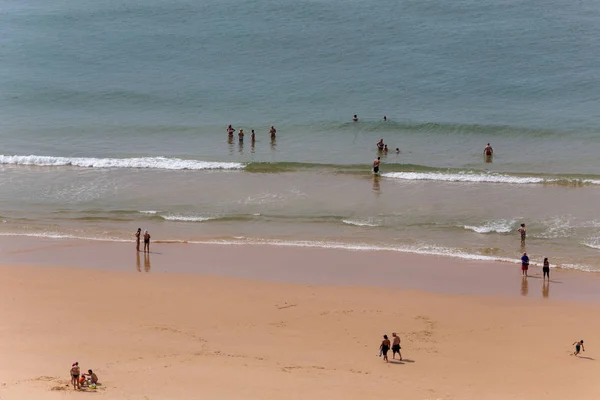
[578, 347]
[524, 264]
[396, 346]
[146, 242]
[385, 347]
[523, 232]
[376, 165]
[488, 153]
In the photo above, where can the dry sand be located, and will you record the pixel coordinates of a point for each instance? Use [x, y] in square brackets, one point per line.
[192, 336]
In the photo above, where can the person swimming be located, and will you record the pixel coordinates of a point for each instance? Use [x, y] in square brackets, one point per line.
[355, 118]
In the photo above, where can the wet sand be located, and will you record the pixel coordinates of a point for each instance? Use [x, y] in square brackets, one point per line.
[261, 330]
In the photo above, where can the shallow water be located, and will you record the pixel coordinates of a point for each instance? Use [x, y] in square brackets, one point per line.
[111, 111]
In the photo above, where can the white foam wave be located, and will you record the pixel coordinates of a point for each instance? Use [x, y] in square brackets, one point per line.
[499, 226]
[56, 235]
[482, 177]
[360, 222]
[141, 162]
[186, 218]
[148, 212]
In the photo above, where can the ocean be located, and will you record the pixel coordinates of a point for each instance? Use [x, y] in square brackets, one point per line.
[113, 116]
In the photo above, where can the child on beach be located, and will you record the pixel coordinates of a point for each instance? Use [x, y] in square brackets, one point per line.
[524, 264]
[578, 347]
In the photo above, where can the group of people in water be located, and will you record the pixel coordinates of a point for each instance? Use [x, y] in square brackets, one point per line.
[79, 380]
[231, 132]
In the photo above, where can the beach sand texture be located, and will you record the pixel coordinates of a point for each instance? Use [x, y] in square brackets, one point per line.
[187, 336]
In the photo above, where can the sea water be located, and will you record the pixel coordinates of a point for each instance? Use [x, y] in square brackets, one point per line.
[113, 116]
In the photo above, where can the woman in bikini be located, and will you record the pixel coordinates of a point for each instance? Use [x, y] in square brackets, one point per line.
[75, 371]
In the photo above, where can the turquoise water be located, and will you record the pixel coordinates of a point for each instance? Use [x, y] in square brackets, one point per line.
[104, 105]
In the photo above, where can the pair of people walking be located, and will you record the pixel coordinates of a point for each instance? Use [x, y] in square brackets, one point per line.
[385, 346]
[146, 236]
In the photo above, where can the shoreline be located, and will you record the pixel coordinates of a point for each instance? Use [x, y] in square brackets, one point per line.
[318, 266]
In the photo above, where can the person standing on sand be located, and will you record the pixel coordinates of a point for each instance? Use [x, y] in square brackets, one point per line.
[546, 269]
[396, 346]
[376, 165]
[385, 347]
[75, 371]
[524, 264]
[578, 347]
[146, 241]
[137, 239]
[523, 232]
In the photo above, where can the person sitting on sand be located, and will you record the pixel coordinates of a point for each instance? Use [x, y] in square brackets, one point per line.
[75, 371]
[92, 376]
[578, 347]
[146, 241]
[396, 346]
[385, 347]
[524, 264]
[523, 232]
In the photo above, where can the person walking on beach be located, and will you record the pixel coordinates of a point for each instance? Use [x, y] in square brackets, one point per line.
[524, 264]
[546, 269]
[137, 239]
[376, 165]
[146, 242]
[396, 346]
[523, 232]
[578, 347]
[385, 347]
[75, 371]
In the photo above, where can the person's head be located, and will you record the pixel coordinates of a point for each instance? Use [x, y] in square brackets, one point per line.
[522, 225]
[379, 158]
[252, 130]
[75, 364]
[139, 229]
[581, 341]
[385, 336]
[384, 118]
[488, 144]
[229, 126]
[524, 254]
[90, 371]
[355, 116]
[145, 232]
[394, 334]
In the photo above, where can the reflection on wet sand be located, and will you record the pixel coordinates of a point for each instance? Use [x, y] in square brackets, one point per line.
[545, 289]
[147, 262]
[524, 287]
[137, 261]
[376, 184]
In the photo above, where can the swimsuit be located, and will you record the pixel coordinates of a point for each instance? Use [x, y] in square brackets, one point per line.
[396, 348]
[546, 271]
[376, 169]
[385, 349]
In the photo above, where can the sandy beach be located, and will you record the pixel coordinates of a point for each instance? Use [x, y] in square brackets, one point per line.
[212, 333]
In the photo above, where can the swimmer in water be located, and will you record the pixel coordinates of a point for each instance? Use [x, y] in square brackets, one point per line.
[355, 118]
[523, 232]
[488, 152]
[252, 136]
[376, 165]
[241, 135]
[272, 131]
[230, 130]
[397, 150]
[384, 118]
[385, 149]
[380, 145]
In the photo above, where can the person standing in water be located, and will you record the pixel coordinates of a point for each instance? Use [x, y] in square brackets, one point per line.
[272, 131]
[384, 118]
[241, 135]
[75, 371]
[523, 232]
[230, 131]
[252, 136]
[380, 145]
[146, 242]
[524, 264]
[355, 118]
[546, 269]
[376, 165]
[488, 153]
[385, 347]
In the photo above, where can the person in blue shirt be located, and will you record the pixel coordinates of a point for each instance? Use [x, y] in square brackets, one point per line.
[524, 264]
